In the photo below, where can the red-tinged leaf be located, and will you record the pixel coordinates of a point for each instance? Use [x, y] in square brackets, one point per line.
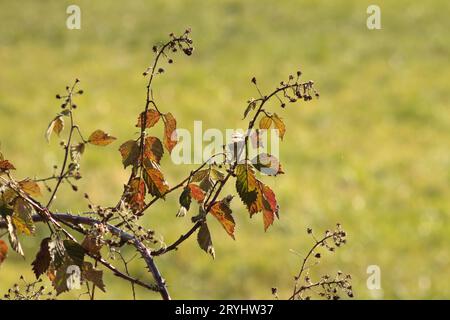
[56, 126]
[222, 212]
[156, 184]
[136, 194]
[267, 164]
[265, 123]
[3, 251]
[153, 149]
[30, 187]
[170, 133]
[5, 165]
[42, 261]
[270, 209]
[204, 240]
[196, 192]
[279, 124]
[152, 117]
[100, 138]
[246, 186]
[129, 151]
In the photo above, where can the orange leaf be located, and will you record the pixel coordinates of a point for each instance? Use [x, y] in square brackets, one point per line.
[222, 212]
[129, 151]
[3, 251]
[136, 194]
[270, 209]
[196, 192]
[279, 124]
[170, 133]
[152, 117]
[154, 179]
[153, 149]
[100, 138]
[56, 126]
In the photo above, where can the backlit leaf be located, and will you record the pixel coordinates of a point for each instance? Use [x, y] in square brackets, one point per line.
[92, 244]
[22, 217]
[56, 126]
[100, 138]
[222, 212]
[136, 194]
[279, 124]
[170, 133]
[129, 151]
[156, 184]
[3, 251]
[42, 261]
[200, 175]
[265, 123]
[246, 184]
[270, 208]
[13, 240]
[30, 187]
[153, 149]
[152, 117]
[5, 165]
[196, 192]
[204, 240]
[77, 151]
[216, 175]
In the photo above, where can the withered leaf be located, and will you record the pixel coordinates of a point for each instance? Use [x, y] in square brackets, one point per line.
[100, 138]
[152, 117]
[56, 126]
[42, 261]
[77, 151]
[93, 275]
[130, 153]
[279, 124]
[13, 240]
[153, 149]
[170, 133]
[204, 240]
[222, 212]
[156, 184]
[136, 194]
[92, 244]
[22, 217]
[30, 187]
[265, 123]
[5, 165]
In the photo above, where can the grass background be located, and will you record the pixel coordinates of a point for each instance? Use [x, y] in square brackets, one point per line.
[372, 153]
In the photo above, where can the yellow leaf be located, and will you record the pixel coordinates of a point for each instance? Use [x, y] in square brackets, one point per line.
[279, 124]
[265, 123]
[56, 126]
[30, 187]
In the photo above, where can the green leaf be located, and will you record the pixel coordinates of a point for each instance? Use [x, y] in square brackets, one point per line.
[75, 252]
[185, 198]
[22, 217]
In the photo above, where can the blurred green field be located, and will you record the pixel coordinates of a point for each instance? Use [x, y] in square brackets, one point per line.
[373, 153]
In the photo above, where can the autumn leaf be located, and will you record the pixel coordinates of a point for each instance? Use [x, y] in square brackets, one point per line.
[156, 184]
[265, 123]
[204, 240]
[30, 187]
[13, 240]
[196, 192]
[200, 175]
[153, 149]
[267, 164]
[100, 138]
[222, 212]
[129, 151]
[93, 275]
[152, 117]
[3, 251]
[56, 126]
[76, 151]
[60, 277]
[246, 184]
[270, 207]
[22, 217]
[185, 201]
[279, 124]
[170, 133]
[42, 261]
[136, 194]
[5, 165]
[216, 175]
[92, 244]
